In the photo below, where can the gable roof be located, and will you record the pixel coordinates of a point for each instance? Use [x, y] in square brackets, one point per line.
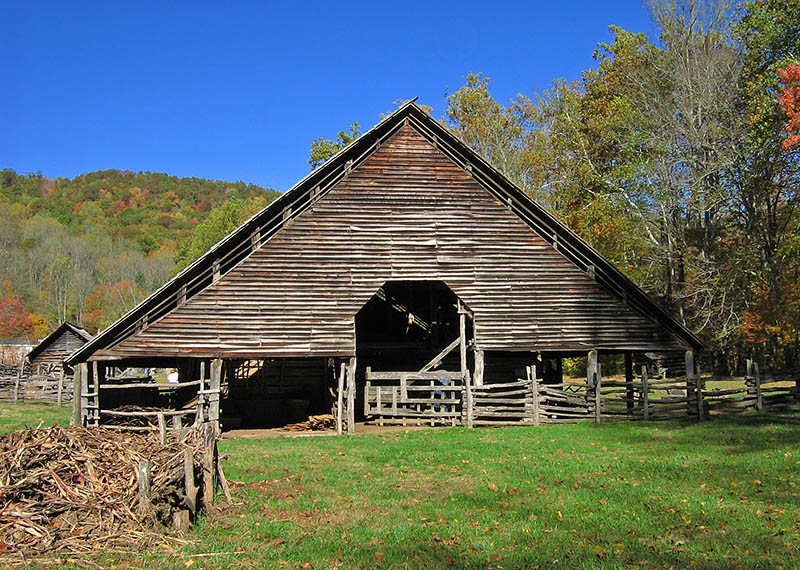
[257, 230]
[48, 340]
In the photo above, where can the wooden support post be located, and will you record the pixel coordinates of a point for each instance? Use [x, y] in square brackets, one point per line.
[591, 380]
[645, 394]
[213, 397]
[209, 446]
[351, 396]
[189, 481]
[201, 396]
[629, 394]
[143, 472]
[162, 428]
[598, 403]
[462, 343]
[340, 399]
[77, 395]
[591, 367]
[18, 381]
[96, 388]
[694, 391]
[367, 388]
[59, 397]
[84, 391]
[479, 366]
[531, 370]
[223, 481]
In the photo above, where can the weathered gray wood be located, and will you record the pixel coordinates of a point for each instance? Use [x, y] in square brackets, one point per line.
[77, 396]
[479, 367]
[162, 428]
[757, 379]
[340, 399]
[84, 393]
[447, 350]
[143, 471]
[95, 419]
[59, 398]
[189, 482]
[629, 393]
[223, 480]
[214, 396]
[351, 396]
[209, 448]
[531, 371]
[598, 403]
[645, 395]
[17, 382]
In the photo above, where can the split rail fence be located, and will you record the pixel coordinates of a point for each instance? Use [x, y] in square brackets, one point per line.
[17, 384]
[419, 399]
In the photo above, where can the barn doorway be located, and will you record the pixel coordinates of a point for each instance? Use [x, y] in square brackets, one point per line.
[407, 347]
[405, 324]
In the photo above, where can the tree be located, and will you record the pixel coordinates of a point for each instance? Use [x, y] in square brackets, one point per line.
[15, 323]
[322, 149]
[789, 100]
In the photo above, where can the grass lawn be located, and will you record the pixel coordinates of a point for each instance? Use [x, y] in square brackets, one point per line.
[724, 493]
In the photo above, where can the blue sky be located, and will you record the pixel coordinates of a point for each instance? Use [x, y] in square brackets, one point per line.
[238, 90]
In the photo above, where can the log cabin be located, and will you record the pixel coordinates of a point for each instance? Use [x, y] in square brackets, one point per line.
[48, 356]
[404, 255]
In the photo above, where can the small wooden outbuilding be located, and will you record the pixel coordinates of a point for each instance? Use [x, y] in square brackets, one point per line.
[406, 253]
[48, 356]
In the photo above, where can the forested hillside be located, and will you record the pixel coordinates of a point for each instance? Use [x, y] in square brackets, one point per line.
[89, 248]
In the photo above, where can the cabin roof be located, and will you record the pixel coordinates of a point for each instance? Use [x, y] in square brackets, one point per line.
[257, 230]
[49, 339]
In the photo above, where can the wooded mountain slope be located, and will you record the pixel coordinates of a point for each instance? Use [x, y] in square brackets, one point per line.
[89, 248]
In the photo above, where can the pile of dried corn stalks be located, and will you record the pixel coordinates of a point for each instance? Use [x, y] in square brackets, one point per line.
[74, 490]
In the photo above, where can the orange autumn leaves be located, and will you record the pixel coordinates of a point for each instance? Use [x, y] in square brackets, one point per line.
[789, 100]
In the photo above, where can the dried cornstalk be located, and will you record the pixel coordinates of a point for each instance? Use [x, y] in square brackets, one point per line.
[75, 490]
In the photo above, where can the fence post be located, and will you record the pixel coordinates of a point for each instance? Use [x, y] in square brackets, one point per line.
[645, 395]
[96, 386]
[598, 403]
[340, 399]
[629, 395]
[77, 395]
[757, 377]
[17, 382]
[213, 397]
[351, 396]
[591, 380]
[534, 392]
[60, 385]
[693, 385]
[84, 421]
[144, 487]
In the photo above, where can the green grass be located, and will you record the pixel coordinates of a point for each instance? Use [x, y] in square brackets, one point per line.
[21, 415]
[723, 493]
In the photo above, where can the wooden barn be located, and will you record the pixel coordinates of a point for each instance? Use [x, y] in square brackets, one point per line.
[405, 262]
[48, 356]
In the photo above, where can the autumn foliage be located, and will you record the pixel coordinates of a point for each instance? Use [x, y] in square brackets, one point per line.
[789, 100]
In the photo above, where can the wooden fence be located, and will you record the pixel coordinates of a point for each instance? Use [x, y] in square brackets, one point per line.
[17, 384]
[130, 403]
[413, 398]
[420, 399]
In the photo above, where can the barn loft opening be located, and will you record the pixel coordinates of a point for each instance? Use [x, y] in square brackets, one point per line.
[405, 324]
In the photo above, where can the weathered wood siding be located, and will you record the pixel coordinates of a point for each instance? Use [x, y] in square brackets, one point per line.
[406, 213]
[52, 357]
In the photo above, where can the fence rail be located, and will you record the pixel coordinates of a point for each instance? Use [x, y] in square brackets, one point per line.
[17, 384]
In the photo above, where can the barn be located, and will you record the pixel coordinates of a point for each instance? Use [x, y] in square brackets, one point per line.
[405, 261]
[48, 356]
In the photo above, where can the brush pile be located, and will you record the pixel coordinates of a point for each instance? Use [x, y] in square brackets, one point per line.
[314, 423]
[75, 490]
